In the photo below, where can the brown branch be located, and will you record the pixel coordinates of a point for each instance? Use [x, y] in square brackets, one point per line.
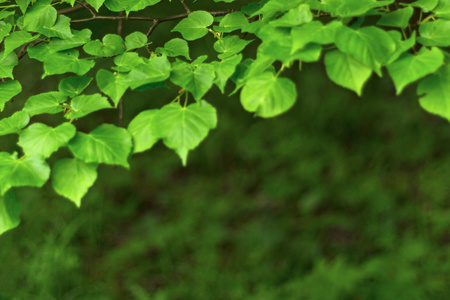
[70, 10]
[149, 19]
[185, 6]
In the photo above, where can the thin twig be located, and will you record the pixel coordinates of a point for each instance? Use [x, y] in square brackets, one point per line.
[149, 32]
[70, 10]
[148, 19]
[185, 6]
[88, 7]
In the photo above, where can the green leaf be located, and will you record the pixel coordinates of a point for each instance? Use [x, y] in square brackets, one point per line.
[85, 104]
[435, 33]
[311, 53]
[15, 123]
[42, 140]
[66, 61]
[275, 7]
[45, 103]
[23, 5]
[225, 69]
[5, 28]
[409, 68]
[61, 29]
[346, 71]
[268, 95]
[183, 128]
[435, 93]
[425, 5]
[230, 45]
[350, 8]
[129, 5]
[112, 84]
[41, 15]
[8, 90]
[135, 40]
[401, 46]
[399, 18]
[314, 32]
[17, 39]
[442, 10]
[197, 79]
[96, 4]
[231, 22]
[7, 64]
[195, 25]
[294, 17]
[127, 62]
[175, 47]
[43, 51]
[370, 45]
[107, 144]
[143, 131]
[9, 212]
[112, 45]
[25, 171]
[74, 86]
[156, 69]
[72, 178]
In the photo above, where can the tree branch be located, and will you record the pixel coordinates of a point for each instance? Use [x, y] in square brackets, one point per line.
[185, 6]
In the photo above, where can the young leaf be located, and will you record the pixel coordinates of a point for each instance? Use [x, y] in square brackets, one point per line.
[197, 79]
[41, 15]
[398, 18]
[96, 4]
[370, 45]
[230, 45]
[435, 33]
[112, 45]
[61, 29]
[314, 32]
[17, 39]
[7, 64]
[435, 92]
[225, 69]
[135, 40]
[143, 131]
[294, 17]
[106, 144]
[409, 68]
[73, 86]
[194, 26]
[43, 51]
[157, 69]
[15, 123]
[129, 5]
[8, 90]
[268, 95]
[231, 22]
[25, 171]
[9, 212]
[45, 103]
[42, 140]
[346, 71]
[127, 62]
[72, 178]
[85, 104]
[183, 128]
[66, 61]
[175, 47]
[112, 84]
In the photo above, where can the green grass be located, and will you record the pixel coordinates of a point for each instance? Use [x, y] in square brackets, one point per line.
[341, 198]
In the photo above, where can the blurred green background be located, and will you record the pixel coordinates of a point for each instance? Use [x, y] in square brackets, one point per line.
[340, 198]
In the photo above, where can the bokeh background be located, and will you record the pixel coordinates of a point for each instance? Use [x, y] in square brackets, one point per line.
[340, 198]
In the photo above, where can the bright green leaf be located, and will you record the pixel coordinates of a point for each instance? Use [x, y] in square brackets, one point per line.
[42, 140]
[195, 25]
[197, 79]
[409, 68]
[45, 103]
[41, 15]
[225, 69]
[183, 128]
[7, 64]
[85, 104]
[230, 45]
[9, 212]
[231, 22]
[15, 123]
[157, 69]
[346, 71]
[112, 84]
[8, 90]
[135, 40]
[107, 144]
[435, 92]
[74, 86]
[435, 33]
[72, 178]
[111, 45]
[67, 61]
[127, 61]
[175, 47]
[143, 131]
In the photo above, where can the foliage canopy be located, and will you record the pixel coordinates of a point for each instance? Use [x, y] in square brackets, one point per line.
[355, 38]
